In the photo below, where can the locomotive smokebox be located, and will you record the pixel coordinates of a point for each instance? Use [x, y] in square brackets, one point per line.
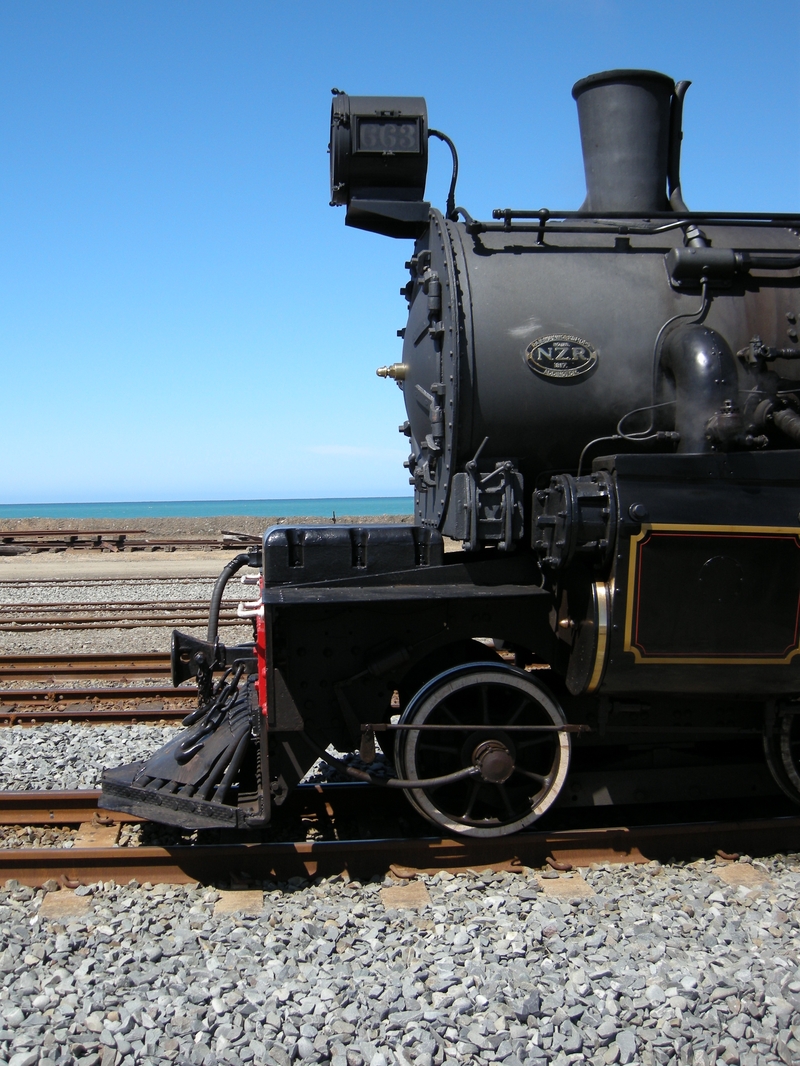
[630, 134]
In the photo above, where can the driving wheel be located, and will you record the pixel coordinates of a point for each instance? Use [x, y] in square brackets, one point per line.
[782, 749]
[501, 724]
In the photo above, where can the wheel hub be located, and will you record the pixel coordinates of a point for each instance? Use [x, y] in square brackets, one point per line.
[494, 761]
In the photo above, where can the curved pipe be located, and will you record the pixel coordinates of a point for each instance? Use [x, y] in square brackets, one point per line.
[390, 782]
[231, 568]
[674, 157]
[788, 422]
[703, 368]
[450, 210]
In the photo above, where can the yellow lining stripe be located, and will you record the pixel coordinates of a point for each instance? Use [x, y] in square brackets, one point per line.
[601, 600]
[659, 527]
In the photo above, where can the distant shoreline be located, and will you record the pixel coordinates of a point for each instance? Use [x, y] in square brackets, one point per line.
[145, 510]
[192, 526]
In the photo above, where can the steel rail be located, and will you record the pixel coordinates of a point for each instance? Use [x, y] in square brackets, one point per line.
[114, 605]
[279, 861]
[116, 540]
[104, 665]
[90, 705]
[32, 618]
[71, 807]
[59, 695]
[102, 582]
[71, 619]
[91, 715]
[139, 623]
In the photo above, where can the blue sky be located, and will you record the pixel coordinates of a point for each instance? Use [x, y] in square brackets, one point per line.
[183, 316]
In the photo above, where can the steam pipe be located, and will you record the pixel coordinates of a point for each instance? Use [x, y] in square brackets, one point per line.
[703, 368]
[788, 422]
[675, 138]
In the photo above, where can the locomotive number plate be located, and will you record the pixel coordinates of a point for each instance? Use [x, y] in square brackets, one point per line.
[561, 357]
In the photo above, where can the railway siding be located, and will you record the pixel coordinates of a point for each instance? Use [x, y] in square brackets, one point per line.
[122, 604]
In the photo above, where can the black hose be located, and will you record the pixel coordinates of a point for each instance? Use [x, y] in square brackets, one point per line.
[450, 208]
[233, 567]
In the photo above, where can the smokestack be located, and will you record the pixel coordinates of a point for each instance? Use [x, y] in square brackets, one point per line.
[630, 123]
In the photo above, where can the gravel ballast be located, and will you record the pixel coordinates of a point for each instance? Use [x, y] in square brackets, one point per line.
[655, 965]
[63, 755]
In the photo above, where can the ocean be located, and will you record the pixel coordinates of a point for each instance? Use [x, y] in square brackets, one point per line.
[320, 508]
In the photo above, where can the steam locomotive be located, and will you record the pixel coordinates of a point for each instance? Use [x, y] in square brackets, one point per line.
[603, 408]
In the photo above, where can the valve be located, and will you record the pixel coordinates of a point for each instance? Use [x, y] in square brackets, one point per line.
[397, 371]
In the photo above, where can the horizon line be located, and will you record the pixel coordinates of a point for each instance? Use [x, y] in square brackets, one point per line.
[264, 499]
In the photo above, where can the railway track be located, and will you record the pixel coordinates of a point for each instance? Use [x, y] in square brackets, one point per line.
[104, 582]
[122, 704]
[89, 707]
[328, 810]
[264, 860]
[121, 667]
[114, 540]
[40, 617]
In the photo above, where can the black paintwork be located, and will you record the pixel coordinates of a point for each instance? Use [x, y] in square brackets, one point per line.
[660, 584]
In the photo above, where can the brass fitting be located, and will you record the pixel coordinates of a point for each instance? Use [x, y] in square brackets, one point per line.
[397, 371]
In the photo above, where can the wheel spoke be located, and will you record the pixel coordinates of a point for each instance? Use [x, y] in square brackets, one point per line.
[446, 749]
[485, 703]
[523, 704]
[543, 739]
[540, 778]
[473, 795]
[506, 801]
[446, 710]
